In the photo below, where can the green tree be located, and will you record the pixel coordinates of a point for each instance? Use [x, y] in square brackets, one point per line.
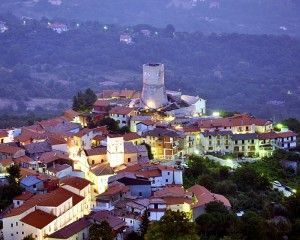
[14, 174]
[101, 231]
[144, 224]
[216, 222]
[111, 124]
[133, 236]
[29, 237]
[90, 98]
[150, 154]
[252, 226]
[172, 226]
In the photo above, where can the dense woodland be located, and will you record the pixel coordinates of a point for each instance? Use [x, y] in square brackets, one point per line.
[237, 72]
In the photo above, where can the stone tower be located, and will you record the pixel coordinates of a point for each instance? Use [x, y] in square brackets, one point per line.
[154, 93]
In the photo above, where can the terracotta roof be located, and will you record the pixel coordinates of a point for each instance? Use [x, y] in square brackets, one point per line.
[38, 219]
[48, 157]
[23, 159]
[96, 151]
[177, 200]
[115, 223]
[175, 191]
[147, 122]
[24, 196]
[204, 196]
[38, 147]
[234, 121]
[114, 188]
[6, 162]
[5, 148]
[70, 114]
[99, 138]
[102, 103]
[83, 132]
[161, 132]
[121, 110]
[3, 133]
[273, 135]
[76, 182]
[53, 199]
[71, 229]
[131, 136]
[58, 168]
[102, 169]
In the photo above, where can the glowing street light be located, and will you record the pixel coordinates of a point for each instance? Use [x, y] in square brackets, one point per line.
[216, 114]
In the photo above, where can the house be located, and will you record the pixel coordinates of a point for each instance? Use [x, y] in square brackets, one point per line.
[99, 175]
[145, 126]
[216, 141]
[115, 192]
[133, 137]
[58, 27]
[3, 27]
[159, 175]
[136, 119]
[201, 196]
[5, 164]
[32, 184]
[157, 208]
[126, 38]
[35, 150]
[4, 136]
[10, 151]
[122, 115]
[44, 214]
[165, 143]
[139, 186]
[245, 144]
[60, 170]
[80, 229]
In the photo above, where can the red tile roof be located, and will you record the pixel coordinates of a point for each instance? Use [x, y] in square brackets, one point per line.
[236, 120]
[76, 182]
[38, 219]
[131, 136]
[121, 110]
[114, 188]
[48, 157]
[3, 133]
[24, 196]
[102, 103]
[5, 148]
[273, 135]
[204, 196]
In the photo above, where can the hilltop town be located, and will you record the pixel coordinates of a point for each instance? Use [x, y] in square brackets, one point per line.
[75, 172]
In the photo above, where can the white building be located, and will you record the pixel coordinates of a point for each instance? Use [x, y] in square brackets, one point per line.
[44, 214]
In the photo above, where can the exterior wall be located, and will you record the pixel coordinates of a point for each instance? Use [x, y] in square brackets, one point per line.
[246, 147]
[263, 129]
[82, 235]
[197, 211]
[141, 128]
[217, 143]
[153, 93]
[115, 151]
[140, 190]
[97, 159]
[123, 120]
[130, 158]
[60, 147]
[133, 223]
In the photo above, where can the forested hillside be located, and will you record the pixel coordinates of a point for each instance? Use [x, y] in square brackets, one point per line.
[241, 16]
[253, 73]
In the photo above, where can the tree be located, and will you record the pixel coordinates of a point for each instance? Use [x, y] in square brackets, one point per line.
[150, 154]
[172, 226]
[216, 222]
[133, 236]
[144, 224]
[101, 231]
[252, 226]
[29, 237]
[14, 174]
[84, 101]
[111, 124]
[90, 98]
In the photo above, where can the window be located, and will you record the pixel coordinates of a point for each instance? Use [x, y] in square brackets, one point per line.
[11, 224]
[34, 186]
[243, 141]
[128, 159]
[247, 128]
[18, 202]
[140, 194]
[22, 233]
[155, 206]
[168, 173]
[16, 223]
[93, 162]
[167, 180]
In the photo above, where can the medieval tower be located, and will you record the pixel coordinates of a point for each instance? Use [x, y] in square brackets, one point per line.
[154, 93]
